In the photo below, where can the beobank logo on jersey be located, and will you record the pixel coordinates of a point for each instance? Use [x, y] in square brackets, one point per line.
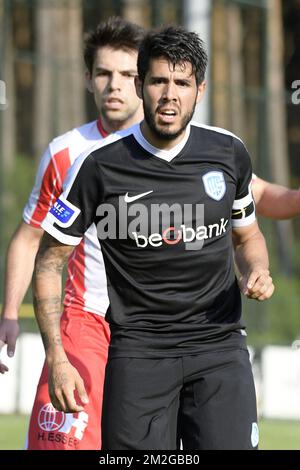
[157, 225]
[172, 235]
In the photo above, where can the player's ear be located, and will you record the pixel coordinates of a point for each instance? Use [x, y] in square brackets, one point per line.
[88, 81]
[201, 90]
[138, 86]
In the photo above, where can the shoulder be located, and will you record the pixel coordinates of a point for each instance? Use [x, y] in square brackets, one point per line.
[108, 144]
[75, 140]
[93, 154]
[213, 132]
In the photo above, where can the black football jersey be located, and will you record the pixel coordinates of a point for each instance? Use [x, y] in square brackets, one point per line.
[164, 222]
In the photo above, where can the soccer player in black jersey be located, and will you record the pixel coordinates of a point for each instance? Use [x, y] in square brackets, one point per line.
[168, 196]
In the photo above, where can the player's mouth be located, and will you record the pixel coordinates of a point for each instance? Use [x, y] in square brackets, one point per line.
[167, 115]
[113, 103]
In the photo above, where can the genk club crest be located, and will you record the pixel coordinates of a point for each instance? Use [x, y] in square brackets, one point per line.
[214, 184]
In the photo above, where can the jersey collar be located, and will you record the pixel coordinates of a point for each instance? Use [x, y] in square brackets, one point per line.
[167, 155]
[102, 132]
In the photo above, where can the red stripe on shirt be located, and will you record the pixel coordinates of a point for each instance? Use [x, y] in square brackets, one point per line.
[75, 284]
[100, 129]
[51, 185]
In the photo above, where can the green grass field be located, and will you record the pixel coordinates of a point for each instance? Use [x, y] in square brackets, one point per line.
[274, 434]
[13, 429]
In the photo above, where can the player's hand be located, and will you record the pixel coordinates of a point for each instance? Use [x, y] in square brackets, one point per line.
[258, 284]
[9, 330]
[63, 381]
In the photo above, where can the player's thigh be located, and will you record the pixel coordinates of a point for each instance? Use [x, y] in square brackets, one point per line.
[141, 399]
[86, 344]
[218, 410]
[88, 353]
[42, 402]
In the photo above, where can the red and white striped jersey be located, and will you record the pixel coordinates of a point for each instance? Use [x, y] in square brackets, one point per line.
[86, 287]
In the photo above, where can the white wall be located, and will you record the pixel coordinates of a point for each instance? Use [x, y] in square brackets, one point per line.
[281, 382]
[277, 379]
[18, 385]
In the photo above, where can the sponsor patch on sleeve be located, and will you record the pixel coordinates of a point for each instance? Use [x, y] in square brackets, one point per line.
[64, 212]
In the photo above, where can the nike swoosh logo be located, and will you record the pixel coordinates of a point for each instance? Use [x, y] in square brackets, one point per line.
[134, 198]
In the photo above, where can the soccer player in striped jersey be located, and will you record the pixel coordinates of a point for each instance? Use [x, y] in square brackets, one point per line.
[110, 56]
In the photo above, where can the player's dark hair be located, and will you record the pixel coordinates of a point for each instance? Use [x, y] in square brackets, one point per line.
[177, 45]
[116, 33]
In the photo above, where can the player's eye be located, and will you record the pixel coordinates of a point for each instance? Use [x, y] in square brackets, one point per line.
[102, 73]
[157, 81]
[183, 83]
[129, 74]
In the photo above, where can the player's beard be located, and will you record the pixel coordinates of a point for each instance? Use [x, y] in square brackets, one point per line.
[166, 133]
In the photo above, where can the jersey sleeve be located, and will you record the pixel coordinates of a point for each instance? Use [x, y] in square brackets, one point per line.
[48, 186]
[243, 210]
[75, 209]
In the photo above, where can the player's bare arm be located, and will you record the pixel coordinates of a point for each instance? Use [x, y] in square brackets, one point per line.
[63, 377]
[251, 257]
[275, 201]
[20, 258]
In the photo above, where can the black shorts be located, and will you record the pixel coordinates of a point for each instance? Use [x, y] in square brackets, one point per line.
[206, 401]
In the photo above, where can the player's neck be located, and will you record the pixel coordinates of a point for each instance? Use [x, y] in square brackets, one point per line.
[160, 143]
[113, 126]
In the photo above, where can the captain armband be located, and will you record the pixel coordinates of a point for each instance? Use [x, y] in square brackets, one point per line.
[243, 211]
